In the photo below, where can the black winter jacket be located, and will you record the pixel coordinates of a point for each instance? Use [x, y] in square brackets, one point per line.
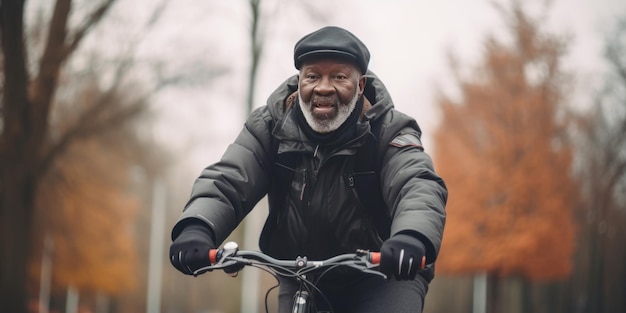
[318, 214]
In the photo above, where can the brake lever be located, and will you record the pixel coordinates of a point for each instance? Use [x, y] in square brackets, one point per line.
[224, 254]
[374, 273]
[217, 266]
[366, 268]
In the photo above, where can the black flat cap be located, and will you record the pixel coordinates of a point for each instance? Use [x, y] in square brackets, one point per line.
[331, 41]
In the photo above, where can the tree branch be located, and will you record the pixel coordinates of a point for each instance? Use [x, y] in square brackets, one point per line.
[94, 122]
[93, 19]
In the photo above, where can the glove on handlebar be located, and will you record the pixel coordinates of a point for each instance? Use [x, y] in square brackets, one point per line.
[190, 250]
[401, 256]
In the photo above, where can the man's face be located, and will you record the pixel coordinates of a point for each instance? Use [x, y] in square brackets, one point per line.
[329, 90]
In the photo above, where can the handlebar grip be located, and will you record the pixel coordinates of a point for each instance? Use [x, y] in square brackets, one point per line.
[374, 257]
[213, 256]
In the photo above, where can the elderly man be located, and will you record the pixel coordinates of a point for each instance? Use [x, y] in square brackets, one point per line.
[306, 149]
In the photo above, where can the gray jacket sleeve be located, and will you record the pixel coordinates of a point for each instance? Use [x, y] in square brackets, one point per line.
[225, 192]
[415, 194]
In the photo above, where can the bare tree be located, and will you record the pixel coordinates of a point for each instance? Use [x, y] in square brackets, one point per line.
[32, 136]
[24, 152]
[602, 172]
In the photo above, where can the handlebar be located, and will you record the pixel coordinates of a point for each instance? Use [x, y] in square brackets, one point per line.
[231, 256]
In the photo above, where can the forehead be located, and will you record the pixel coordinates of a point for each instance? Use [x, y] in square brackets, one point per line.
[333, 63]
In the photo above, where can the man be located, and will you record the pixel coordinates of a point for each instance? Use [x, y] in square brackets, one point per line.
[303, 149]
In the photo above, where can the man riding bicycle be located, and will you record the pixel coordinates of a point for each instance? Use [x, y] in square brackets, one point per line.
[304, 149]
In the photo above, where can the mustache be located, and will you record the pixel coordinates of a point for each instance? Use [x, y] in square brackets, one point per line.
[323, 100]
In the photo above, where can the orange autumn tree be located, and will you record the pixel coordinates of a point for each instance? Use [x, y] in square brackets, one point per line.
[90, 211]
[91, 200]
[503, 150]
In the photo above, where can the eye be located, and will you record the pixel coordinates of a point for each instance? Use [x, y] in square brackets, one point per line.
[341, 76]
[311, 76]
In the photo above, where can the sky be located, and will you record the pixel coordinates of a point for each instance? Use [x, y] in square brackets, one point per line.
[408, 41]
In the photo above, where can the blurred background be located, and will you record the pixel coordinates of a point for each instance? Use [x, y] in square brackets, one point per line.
[111, 108]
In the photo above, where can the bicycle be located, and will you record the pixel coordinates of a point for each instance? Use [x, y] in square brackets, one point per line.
[230, 257]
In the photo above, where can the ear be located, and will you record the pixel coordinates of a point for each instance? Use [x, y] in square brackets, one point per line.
[362, 82]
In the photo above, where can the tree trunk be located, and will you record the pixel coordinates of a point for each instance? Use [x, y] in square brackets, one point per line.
[17, 205]
[493, 295]
[596, 269]
[17, 187]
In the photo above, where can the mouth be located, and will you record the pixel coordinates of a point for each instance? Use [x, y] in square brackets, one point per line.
[323, 106]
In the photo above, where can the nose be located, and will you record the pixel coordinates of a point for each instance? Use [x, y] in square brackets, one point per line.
[325, 86]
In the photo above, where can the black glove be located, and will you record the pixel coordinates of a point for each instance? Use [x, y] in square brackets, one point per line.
[401, 256]
[190, 250]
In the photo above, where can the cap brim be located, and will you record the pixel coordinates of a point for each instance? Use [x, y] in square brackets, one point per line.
[325, 53]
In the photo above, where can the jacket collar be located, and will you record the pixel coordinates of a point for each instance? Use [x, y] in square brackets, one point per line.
[293, 139]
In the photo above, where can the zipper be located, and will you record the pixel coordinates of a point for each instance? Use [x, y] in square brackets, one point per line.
[303, 185]
[315, 168]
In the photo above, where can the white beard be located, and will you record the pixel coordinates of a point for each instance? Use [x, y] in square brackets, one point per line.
[327, 125]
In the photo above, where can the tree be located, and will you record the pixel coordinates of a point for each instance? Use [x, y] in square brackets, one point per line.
[89, 203]
[90, 213]
[25, 153]
[52, 121]
[602, 172]
[504, 152]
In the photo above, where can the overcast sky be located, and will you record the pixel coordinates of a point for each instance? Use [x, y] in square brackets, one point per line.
[408, 40]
